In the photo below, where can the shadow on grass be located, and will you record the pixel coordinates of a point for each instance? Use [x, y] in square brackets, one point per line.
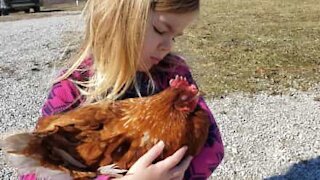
[304, 170]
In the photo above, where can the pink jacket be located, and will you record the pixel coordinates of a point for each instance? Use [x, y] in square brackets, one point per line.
[65, 96]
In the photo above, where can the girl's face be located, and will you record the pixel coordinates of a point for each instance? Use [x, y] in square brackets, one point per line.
[161, 30]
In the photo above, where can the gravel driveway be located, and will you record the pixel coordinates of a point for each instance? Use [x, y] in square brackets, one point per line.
[266, 137]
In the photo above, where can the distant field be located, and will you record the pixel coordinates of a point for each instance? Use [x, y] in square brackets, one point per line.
[255, 45]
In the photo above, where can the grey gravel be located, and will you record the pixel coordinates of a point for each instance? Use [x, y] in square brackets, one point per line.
[266, 137]
[269, 137]
[29, 49]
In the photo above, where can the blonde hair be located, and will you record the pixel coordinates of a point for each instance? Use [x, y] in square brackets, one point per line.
[114, 36]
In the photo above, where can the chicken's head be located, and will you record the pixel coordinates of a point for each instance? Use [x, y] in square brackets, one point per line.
[187, 94]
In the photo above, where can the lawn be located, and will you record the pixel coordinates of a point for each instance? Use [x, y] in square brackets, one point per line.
[254, 45]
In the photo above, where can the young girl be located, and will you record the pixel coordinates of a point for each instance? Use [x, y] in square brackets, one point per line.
[127, 53]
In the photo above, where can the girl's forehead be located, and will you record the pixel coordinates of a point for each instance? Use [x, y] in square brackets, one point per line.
[173, 21]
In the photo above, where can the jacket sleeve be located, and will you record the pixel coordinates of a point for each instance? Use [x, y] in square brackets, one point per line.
[212, 153]
[62, 97]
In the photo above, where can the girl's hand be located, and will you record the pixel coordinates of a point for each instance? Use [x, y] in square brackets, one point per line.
[168, 168]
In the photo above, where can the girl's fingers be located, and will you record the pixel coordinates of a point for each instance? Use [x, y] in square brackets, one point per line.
[174, 159]
[150, 156]
[178, 171]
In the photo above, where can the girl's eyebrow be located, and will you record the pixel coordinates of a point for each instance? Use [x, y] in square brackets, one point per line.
[170, 28]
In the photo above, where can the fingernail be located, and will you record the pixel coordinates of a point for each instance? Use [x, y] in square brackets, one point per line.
[161, 144]
[185, 148]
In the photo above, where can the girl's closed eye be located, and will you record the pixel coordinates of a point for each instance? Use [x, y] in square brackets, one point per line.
[161, 32]
[157, 30]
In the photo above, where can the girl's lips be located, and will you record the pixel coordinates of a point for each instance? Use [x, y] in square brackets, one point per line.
[155, 60]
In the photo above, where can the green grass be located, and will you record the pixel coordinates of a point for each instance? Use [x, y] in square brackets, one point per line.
[254, 45]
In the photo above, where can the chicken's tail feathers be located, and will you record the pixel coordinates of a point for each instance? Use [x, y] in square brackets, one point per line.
[15, 143]
[29, 165]
[13, 147]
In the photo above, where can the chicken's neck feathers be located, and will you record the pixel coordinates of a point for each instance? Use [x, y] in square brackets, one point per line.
[154, 112]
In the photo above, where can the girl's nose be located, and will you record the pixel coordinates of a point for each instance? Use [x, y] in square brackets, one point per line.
[166, 45]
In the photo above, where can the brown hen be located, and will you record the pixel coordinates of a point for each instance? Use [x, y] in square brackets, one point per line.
[79, 143]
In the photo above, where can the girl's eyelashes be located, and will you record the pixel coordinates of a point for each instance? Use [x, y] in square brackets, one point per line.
[161, 33]
[157, 30]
